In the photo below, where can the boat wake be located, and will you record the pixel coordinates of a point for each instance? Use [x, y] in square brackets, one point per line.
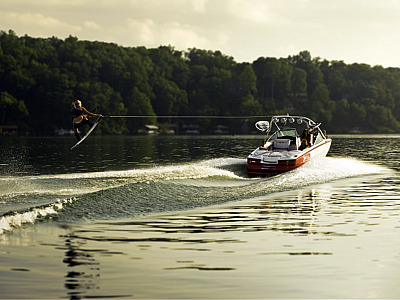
[134, 193]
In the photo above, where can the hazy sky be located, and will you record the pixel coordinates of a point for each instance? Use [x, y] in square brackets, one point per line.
[364, 31]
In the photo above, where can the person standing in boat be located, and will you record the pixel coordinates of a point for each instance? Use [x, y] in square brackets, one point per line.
[304, 138]
[80, 117]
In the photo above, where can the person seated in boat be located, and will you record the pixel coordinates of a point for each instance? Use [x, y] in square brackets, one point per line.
[324, 132]
[80, 117]
[263, 145]
[304, 138]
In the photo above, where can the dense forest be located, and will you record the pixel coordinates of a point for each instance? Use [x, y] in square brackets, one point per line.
[40, 78]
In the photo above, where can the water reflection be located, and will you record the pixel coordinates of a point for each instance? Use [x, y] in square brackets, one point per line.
[79, 280]
[82, 278]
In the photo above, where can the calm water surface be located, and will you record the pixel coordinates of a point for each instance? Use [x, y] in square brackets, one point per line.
[177, 217]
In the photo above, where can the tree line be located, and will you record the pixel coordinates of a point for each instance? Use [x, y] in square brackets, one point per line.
[41, 77]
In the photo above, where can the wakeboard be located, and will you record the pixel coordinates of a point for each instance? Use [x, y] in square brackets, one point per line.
[87, 133]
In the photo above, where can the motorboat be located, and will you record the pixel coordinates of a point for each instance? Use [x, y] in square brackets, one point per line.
[291, 141]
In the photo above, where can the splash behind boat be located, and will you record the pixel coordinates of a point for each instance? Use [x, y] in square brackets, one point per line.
[286, 149]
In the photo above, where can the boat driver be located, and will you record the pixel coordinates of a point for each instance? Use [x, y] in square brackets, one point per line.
[304, 137]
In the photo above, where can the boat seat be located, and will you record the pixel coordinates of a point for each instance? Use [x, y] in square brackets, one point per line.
[295, 146]
[281, 143]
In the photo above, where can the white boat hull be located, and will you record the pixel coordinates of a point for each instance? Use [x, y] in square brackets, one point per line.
[264, 162]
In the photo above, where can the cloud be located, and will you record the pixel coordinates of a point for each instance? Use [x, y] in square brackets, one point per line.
[254, 12]
[209, 24]
[91, 25]
[37, 24]
[181, 36]
[143, 31]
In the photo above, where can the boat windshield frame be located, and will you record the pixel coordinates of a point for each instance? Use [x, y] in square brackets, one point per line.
[285, 132]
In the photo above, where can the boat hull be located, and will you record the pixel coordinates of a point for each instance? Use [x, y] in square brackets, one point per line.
[257, 166]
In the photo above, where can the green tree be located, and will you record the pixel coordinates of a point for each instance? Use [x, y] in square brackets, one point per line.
[321, 106]
[311, 66]
[140, 104]
[169, 78]
[12, 111]
[273, 78]
[299, 82]
[335, 79]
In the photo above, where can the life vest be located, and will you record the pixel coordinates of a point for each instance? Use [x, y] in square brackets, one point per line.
[75, 112]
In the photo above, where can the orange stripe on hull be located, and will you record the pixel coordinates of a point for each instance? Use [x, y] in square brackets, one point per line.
[256, 167]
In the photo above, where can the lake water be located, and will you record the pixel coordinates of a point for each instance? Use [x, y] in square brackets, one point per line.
[177, 217]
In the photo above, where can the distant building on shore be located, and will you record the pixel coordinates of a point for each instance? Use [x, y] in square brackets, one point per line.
[9, 129]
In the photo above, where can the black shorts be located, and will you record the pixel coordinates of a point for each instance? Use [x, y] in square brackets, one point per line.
[81, 123]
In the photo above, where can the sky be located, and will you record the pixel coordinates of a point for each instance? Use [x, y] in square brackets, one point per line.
[353, 31]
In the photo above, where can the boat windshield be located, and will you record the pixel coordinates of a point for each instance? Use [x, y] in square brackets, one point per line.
[287, 132]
